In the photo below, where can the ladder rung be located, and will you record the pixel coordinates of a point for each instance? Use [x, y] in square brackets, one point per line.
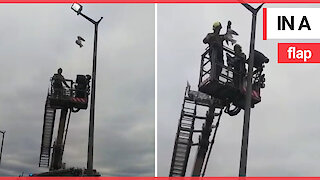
[200, 117]
[188, 108]
[189, 115]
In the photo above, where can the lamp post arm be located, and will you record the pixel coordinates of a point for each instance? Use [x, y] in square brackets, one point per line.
[251, 9]
[99, 20]
[89, 19]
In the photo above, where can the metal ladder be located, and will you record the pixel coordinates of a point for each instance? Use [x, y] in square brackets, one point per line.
[47, 132]
[183, 140]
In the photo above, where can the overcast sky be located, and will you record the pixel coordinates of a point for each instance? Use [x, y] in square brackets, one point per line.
[284, 129]
[37, 39]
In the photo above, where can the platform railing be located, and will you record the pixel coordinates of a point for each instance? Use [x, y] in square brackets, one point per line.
[208, 69]
[66, 92]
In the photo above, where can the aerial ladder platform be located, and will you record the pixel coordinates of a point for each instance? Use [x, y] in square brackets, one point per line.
[218, 92]
[67, 100]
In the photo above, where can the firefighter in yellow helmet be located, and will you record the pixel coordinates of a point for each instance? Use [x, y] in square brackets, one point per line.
[215, 37]
[215, 42]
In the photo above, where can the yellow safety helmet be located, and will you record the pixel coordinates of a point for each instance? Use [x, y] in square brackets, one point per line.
[216, 24]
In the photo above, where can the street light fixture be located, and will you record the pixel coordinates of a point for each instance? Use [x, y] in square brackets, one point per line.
[78, 8]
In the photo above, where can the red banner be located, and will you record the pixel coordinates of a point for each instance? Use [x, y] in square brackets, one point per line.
[159, 1]
[159, 178]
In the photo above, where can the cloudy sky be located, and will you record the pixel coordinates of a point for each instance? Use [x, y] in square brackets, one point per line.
[37, 39]
[284, 129]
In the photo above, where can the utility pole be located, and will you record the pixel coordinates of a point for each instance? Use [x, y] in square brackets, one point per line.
[2, 132]
[78, 8]
[246, 123]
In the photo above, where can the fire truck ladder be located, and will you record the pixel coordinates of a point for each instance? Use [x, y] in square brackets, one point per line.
[183, 141]
[47, 132]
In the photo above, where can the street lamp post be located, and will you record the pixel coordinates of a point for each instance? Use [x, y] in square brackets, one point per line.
[78, 8]
[2, 132]
[246, 123]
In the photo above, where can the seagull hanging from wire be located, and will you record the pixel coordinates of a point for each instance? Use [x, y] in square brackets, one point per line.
[79, 41]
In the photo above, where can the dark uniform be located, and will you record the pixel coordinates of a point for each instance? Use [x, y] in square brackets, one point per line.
[239, 67]
[238, 63]
[215, 41]
[57, 81]
[81, 86]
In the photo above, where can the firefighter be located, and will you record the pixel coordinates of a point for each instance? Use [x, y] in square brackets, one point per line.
[57, 81]
[82, 87]
[238, 63]
[215, 41]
